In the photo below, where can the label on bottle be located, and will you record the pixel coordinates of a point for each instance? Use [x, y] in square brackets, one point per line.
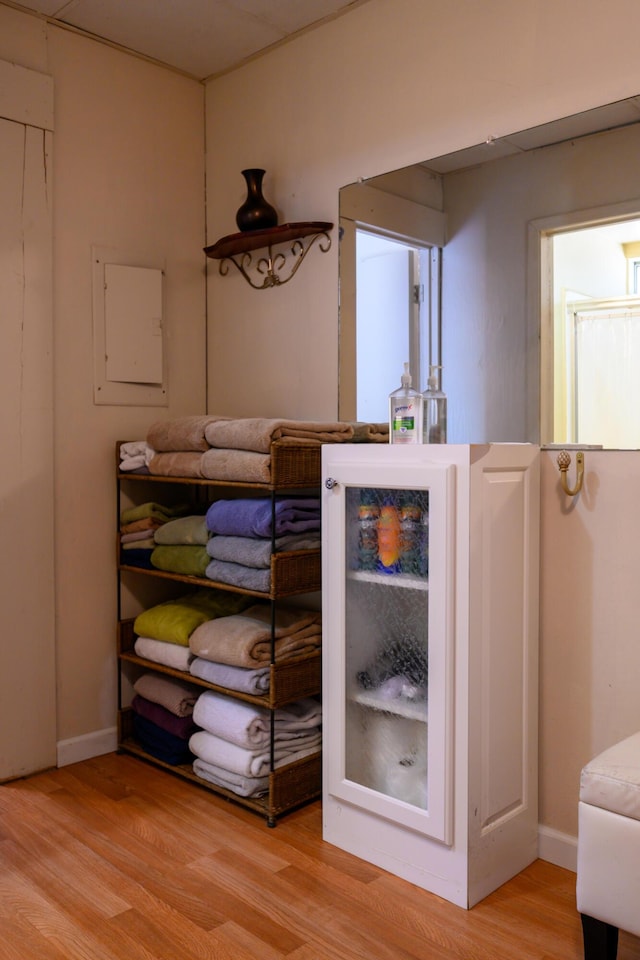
[403, 423]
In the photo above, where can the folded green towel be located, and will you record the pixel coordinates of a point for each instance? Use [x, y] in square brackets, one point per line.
[190, 561]
[154, 510]
[175, 620]
[192, 530]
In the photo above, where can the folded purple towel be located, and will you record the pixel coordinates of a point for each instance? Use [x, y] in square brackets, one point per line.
[181, 727]
[253, 518]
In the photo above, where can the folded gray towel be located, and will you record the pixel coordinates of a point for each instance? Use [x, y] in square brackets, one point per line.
[256, 552]
[235, 782]
[242, 679]
[237, 575]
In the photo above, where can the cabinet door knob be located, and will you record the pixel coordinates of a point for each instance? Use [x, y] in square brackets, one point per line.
[330, 483]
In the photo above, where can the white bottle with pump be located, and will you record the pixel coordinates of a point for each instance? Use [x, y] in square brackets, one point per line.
[434, 410]
[405, 412]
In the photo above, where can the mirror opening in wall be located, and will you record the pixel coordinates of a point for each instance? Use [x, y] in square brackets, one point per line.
[513, 269]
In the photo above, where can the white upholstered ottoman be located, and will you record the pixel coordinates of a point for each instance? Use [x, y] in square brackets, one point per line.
[608, 882]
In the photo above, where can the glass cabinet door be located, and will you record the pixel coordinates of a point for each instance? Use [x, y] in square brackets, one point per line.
[387, 648]
[394, 667]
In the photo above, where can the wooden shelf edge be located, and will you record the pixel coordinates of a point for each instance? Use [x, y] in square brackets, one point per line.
[236, 243]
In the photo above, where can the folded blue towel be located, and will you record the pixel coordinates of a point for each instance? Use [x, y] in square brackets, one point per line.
[253, 518]
[160, 743]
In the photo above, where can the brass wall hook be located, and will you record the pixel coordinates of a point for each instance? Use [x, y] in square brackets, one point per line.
[564, 461]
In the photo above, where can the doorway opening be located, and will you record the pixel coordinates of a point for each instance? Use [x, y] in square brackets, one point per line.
[397, 318]
[591, 290]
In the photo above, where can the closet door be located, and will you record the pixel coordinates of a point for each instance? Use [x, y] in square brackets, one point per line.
[27, 677]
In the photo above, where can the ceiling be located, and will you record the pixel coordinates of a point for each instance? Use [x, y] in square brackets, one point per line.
[202, 38]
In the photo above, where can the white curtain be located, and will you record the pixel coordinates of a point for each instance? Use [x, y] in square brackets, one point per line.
[607, 375]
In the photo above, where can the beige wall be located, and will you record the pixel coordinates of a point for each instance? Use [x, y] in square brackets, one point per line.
[26, 424]
[128, 174]
[590, 606]
[387, 85]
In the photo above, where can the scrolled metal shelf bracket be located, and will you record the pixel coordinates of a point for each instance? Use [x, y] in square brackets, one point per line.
[276, 268]
[268, 271]
[564, 462]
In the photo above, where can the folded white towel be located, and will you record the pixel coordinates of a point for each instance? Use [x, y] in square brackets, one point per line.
[174, 655]
[243, 786]
[302, 715]
[135, 454]
[250, 763]
[132, 463]
[249, 726]
[241, 723]
[133, 448]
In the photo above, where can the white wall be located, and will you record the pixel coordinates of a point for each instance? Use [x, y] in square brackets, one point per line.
[387, 85]
[128, 174]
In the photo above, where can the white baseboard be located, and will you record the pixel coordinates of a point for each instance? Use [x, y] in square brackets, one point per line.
[85, 747]
[558, 848]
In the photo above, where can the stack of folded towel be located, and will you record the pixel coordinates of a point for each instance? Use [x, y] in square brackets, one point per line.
[222, 448]
[235, 651]
[180, 546]
[138, 526]
[135, 456]
[163, 717]
[244, 533]
[234, 749]
[163, 631]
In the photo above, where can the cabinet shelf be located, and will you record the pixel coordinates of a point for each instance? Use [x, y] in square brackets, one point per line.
[409, 709]
[267, 271]
[395, 580]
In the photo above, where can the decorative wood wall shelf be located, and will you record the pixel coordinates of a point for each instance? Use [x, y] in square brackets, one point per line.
[267, 271]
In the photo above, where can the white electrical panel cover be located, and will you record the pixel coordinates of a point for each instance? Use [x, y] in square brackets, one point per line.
[133, 324]
[130, 362]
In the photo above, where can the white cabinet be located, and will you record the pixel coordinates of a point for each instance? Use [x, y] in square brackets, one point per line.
[430, 613]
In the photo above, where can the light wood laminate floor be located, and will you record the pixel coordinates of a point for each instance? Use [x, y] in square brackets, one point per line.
[113, 859]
